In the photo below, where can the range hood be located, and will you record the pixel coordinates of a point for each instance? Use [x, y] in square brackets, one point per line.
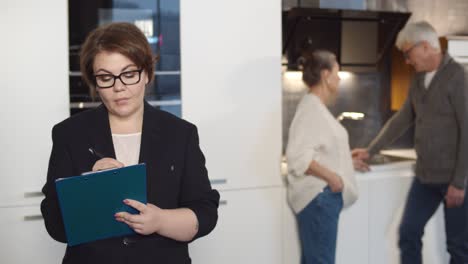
[359, 38]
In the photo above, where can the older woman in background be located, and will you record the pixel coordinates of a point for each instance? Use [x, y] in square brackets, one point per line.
[320, 167]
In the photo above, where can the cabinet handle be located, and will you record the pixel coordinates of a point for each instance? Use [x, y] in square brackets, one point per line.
[33, 194]
[223, 202]
[33, 217]
[218, 181]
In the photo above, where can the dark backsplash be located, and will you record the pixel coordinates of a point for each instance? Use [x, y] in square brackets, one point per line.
[359, 92]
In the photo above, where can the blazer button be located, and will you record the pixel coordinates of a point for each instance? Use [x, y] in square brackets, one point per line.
[172, 167]
[125, 241]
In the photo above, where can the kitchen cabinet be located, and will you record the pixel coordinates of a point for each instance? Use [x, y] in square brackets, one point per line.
[291, 245]
[384, 216]
[358, 38]
[231, 88]
[24, 238]
[353, 245]
[359, 42]
[249, 229]
[35, 90]
[457, 47]
[385, 212]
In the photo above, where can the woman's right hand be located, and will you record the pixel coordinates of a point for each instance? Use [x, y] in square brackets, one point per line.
[336, 184]
[360, 165]
[107, 163]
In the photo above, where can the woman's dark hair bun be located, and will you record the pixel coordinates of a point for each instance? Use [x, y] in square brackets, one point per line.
[312, 64]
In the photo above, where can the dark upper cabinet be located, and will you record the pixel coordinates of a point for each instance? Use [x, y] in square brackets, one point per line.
[359, 39]
[302, 34]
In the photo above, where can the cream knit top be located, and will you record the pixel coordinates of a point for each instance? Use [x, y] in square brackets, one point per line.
[316, 135]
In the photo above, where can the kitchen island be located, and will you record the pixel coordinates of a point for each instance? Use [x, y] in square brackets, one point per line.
[368, 231]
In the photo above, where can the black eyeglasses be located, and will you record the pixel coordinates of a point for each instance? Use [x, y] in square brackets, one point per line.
[407, 52]
[108, 80]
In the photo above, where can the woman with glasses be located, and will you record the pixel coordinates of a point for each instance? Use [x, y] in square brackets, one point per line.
[117, 64]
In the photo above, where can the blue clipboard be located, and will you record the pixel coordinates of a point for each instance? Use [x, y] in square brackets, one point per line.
[88, 202]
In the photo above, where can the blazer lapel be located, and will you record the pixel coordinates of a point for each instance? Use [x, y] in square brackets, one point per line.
[420, 91]
[154, 152]
[101, 137]
[152, 146]
[440, 76]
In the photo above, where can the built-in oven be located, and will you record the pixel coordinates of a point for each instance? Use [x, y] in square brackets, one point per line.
[159, 21]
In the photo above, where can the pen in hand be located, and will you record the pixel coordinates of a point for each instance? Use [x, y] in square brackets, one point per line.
[103, 162]
[95, 153]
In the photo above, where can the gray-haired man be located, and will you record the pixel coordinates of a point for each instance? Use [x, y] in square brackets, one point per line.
[437, 105]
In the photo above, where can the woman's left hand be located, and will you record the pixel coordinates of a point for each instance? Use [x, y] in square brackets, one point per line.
[147, 222]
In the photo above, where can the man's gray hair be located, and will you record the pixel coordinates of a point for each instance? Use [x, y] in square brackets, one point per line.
[416, 32]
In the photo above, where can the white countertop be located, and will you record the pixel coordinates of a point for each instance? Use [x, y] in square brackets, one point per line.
[403, 168]
[388, 170]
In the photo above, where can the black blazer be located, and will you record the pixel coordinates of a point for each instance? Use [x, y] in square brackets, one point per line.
[176, 177]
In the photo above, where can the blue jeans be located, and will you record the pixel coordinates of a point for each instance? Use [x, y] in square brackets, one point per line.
[423, 201]
[318, 228]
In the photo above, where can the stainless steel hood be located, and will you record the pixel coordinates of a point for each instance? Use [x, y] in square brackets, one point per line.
[359, 38]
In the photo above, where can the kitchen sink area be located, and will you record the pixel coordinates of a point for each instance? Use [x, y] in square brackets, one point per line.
[393, 155]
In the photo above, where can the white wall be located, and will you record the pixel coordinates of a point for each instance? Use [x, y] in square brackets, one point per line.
[34, 55]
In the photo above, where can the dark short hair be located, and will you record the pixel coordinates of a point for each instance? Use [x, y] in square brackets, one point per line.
[121, 37]
[314, 63]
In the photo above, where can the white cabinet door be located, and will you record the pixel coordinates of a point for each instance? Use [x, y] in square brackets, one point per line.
[291, 244]
[24, 239]
[353, 230]
[386, 205]
[231, 87]
[458, 47]
[248, 229]
[35, 90]
[352, 242]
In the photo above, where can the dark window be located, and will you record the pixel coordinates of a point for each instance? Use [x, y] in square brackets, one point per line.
[158, 19]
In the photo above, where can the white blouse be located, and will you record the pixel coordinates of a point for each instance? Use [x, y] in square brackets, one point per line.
[127, 147]
[316, 135]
